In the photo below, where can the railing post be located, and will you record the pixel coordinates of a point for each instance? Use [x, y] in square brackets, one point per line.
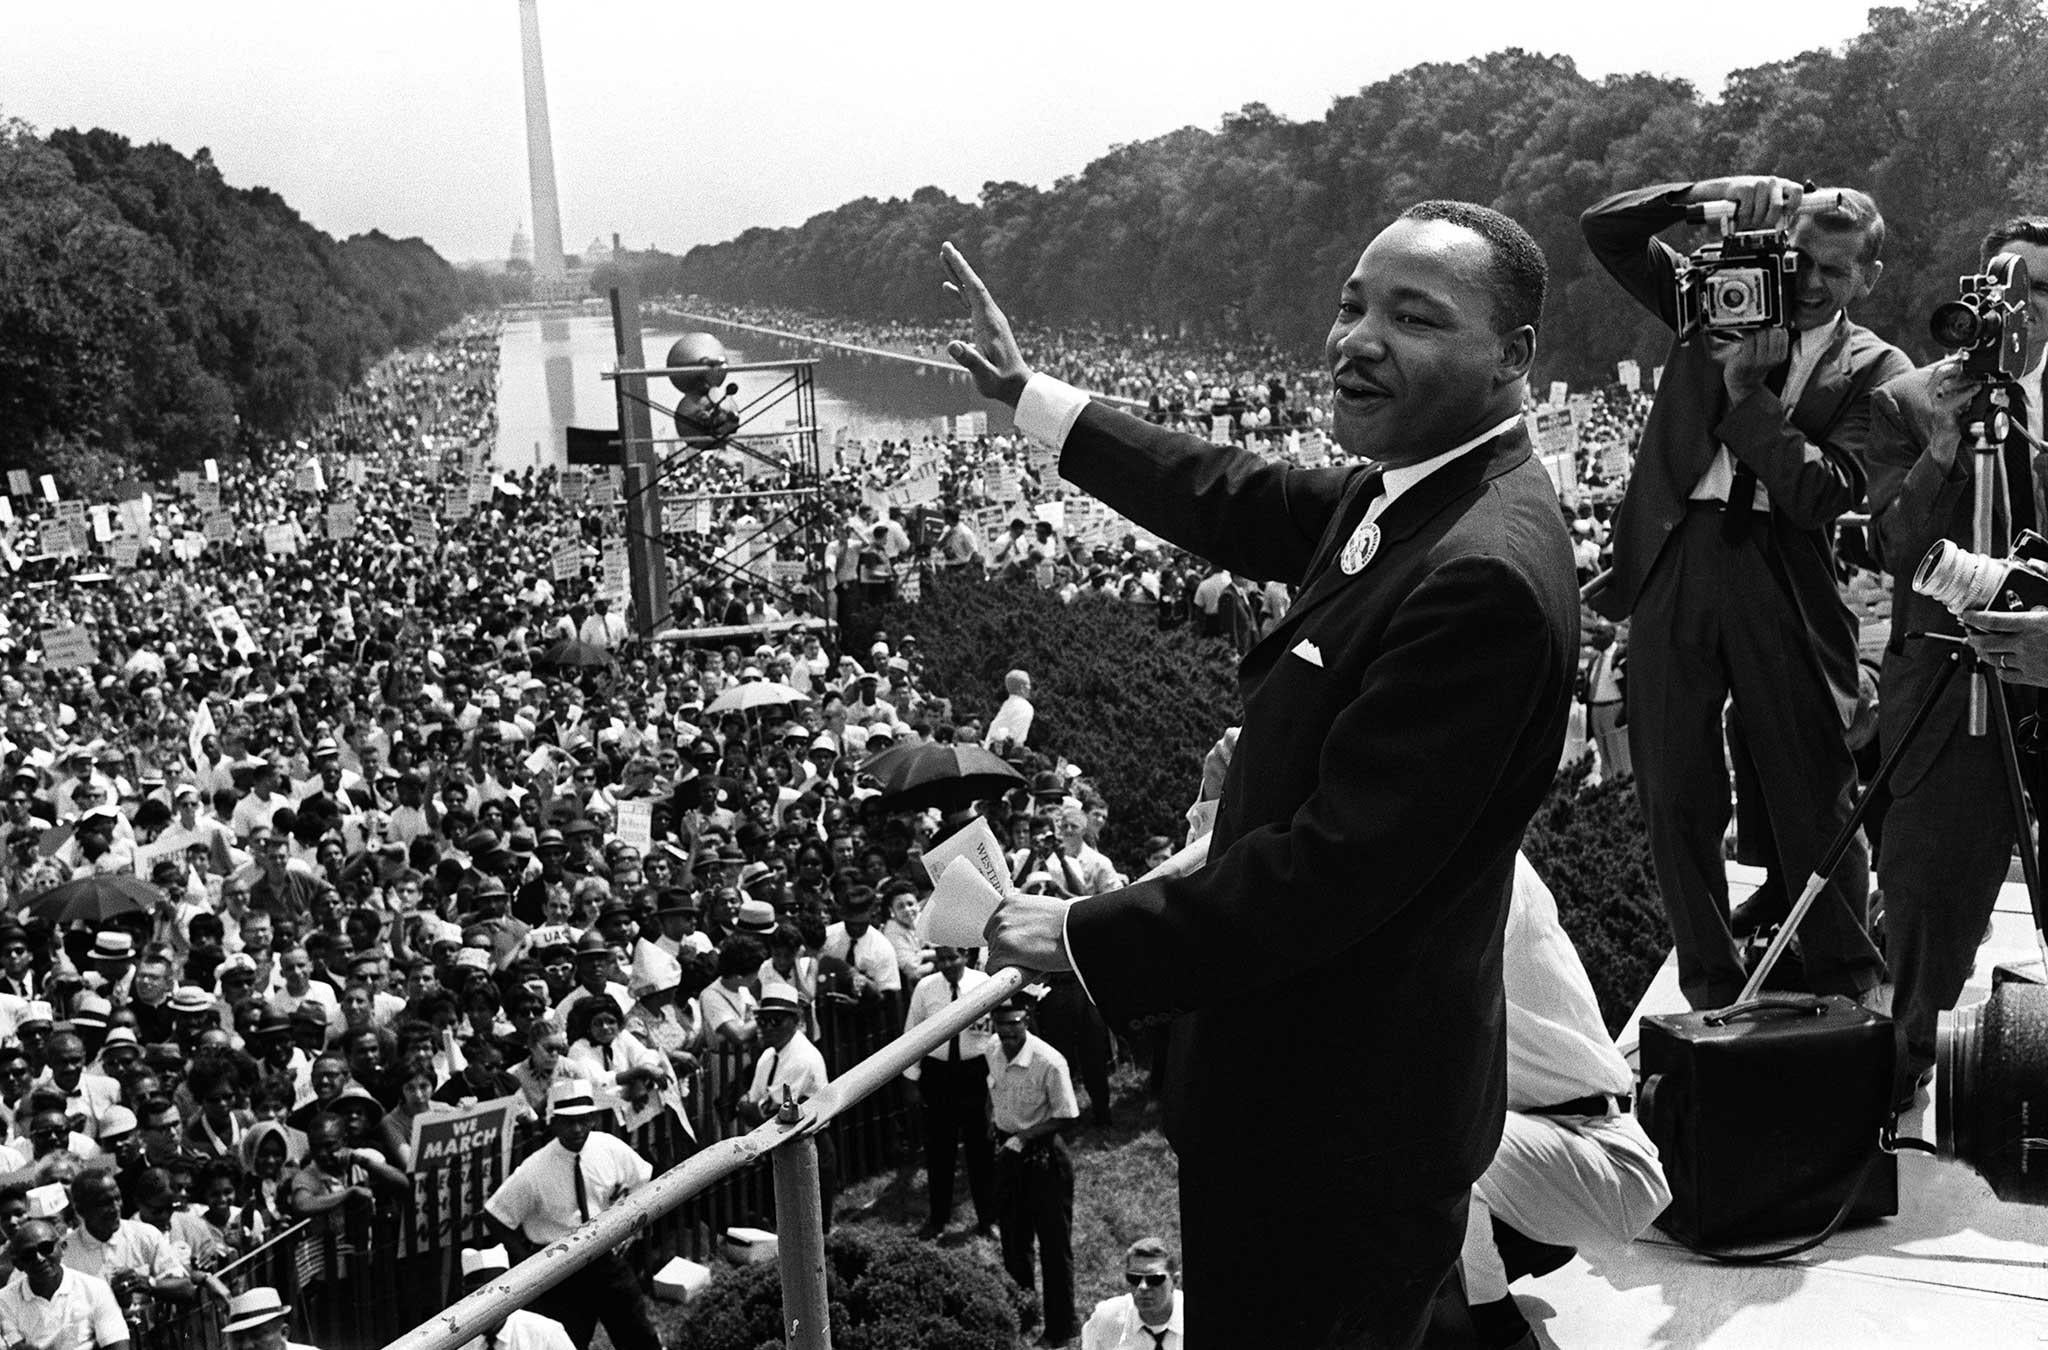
[800, 1239]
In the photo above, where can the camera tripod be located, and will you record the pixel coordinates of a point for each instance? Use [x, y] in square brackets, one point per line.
[1986, 425]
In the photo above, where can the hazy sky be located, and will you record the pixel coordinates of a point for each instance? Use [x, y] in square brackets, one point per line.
[683, 122]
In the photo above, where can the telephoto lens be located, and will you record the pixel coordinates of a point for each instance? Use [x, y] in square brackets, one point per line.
[1960, 580]
[1991, 1090]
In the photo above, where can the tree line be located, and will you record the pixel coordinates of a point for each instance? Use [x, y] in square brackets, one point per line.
[1940, 111]
[152, 316]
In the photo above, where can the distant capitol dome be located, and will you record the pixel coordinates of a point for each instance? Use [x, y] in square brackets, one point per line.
[522, 245]
[597, 250]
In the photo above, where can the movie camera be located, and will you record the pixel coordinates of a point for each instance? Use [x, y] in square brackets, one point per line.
[1987, 322]
[1744, 282]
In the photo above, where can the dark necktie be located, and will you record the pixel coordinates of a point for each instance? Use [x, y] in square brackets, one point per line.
[1158, 1335]
[2019, 466]
[1735, 521]
[582, 1196]
[953, 1046]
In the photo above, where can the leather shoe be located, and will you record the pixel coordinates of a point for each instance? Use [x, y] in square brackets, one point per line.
[931, 1229]
[1765, 909]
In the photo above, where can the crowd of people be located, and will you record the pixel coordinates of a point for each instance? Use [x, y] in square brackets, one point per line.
[394, 854]
[418, 821]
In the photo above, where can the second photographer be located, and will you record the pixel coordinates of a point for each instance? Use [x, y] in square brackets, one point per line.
[1948, 836]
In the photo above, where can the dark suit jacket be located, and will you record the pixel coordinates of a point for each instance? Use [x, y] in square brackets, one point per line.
[1333, 975]
[1812, 465]
[1913, 504]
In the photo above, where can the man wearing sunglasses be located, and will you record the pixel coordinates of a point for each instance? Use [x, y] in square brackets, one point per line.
[1147, 1318]
[54, 1306]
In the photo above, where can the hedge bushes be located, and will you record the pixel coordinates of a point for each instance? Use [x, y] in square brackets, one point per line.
[1138, 707]
[887, 1291]
[1135, 706]
[1590, 847]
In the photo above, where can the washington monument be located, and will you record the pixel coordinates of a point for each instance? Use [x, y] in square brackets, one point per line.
[540, 152]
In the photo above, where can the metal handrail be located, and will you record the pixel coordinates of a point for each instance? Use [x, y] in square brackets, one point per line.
[803, 1298]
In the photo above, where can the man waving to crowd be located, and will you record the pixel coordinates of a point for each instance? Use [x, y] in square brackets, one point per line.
[1434, 642]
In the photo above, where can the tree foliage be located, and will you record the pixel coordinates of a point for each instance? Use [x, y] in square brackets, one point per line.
[1939, 111]
[151, 315]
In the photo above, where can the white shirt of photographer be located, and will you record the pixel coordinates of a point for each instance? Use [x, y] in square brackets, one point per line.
[1807, 347]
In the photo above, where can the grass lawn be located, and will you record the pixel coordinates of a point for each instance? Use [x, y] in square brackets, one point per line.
[1125, 1187]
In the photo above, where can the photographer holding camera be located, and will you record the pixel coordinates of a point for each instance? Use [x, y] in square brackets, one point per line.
[1948, 836]
[1723, 557]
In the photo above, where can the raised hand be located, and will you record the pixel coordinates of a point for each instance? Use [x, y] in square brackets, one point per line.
[992, 358]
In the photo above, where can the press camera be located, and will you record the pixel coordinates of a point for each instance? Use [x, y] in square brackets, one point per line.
[1744, 282]
[1987, 322]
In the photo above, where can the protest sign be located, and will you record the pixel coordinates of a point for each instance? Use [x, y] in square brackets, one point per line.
[279, 540]
[70, 645]
[125, 553]
[451, 1137]
[910, 589]
[216, 528]
[567, 563]
[18, 482]
[1559, 392]
[54, 537]
[635, 822]
[1630, 374]
[50, 493]
[341, 521]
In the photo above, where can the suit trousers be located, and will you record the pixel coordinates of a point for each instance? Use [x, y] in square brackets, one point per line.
[955, 1097]
[1073, 1026]
[1717, 619]
[1590, 1182]
[1035, 1202]
[1360, 1269]
[605, 1291]
[1948, 842]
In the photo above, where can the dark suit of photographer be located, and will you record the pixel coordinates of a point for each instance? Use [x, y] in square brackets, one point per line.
[1948, 836]
[1741, 602]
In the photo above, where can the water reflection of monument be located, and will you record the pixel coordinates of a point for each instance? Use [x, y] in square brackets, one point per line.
[558, 370]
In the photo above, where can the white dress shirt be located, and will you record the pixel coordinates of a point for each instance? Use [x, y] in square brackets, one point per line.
[539, 1198]
[81, 1313]
[1719, 478]
[931, 997]
[1115, 1325]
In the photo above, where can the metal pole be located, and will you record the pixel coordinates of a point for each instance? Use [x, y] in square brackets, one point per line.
[800, 1239]
[648, 567]
[551, 1265]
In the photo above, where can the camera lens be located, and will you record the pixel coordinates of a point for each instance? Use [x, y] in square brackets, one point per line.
[1956, 578]
[1954, 324]
[1991, 1088]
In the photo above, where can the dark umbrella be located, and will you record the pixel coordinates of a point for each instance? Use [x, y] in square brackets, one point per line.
[96, 899]
[575, 652]
[949, 777]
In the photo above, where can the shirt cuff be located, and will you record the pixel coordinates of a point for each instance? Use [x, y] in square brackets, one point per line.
[1068, 947]
[1047, 410]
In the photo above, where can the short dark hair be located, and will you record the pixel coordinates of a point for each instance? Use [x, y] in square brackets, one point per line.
[1854, 213]
[1518, 273]
[2021, 229]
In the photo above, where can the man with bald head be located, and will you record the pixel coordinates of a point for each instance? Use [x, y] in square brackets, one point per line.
[52, 1307]
[1402, 722]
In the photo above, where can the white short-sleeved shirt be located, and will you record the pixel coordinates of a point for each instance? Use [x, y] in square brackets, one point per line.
[539, 1198]
[81, 1313]
[135, 1245]
[797, 1066]
[872, 954]
[1115, 1325]
[1030, 1089]
[932, 996]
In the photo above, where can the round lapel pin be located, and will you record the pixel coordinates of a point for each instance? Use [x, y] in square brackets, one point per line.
[1358, 550]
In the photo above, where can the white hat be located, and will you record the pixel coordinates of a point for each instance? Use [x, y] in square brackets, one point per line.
[47, 1202]
[572, 1097]
[475, 1259]
[258, 1307]
[780, 998]
[654, 969]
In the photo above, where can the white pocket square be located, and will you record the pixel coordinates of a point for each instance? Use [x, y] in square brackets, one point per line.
[1309, 652]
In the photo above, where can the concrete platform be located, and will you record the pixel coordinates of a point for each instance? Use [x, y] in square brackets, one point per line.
[1955, 1268]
